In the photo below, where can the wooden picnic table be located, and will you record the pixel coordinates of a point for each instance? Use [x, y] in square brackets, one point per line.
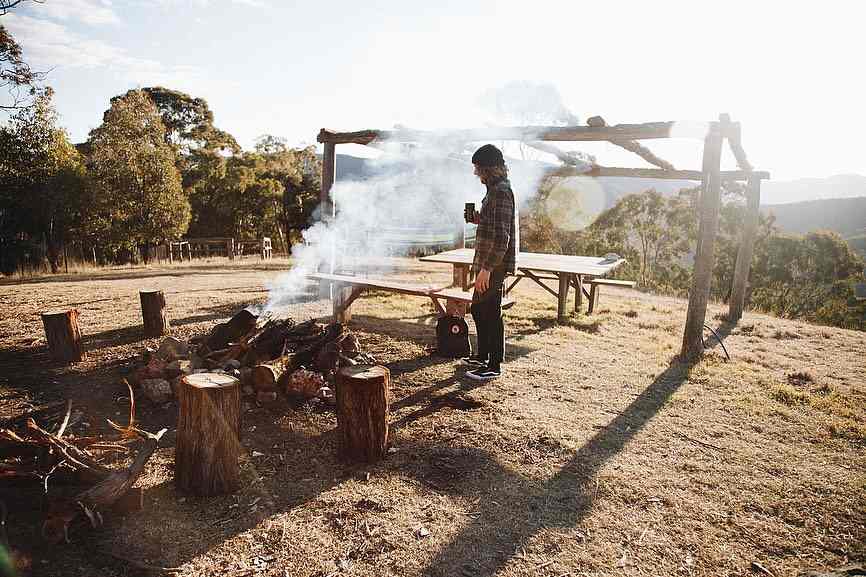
[569, 271]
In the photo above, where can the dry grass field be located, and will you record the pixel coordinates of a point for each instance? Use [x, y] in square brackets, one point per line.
[595, 454]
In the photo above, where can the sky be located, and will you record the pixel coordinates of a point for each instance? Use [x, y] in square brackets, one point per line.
[791, 72]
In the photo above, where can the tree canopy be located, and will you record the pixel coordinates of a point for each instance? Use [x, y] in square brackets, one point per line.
[135, 183]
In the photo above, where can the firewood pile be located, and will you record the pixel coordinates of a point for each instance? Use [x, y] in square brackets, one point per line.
[68, 471]
[270, 357]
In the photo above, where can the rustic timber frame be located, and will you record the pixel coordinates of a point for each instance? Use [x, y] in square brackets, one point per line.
[625, 136]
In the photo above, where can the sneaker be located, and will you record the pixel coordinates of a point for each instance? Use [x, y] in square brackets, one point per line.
[475, 361]
[484, 374]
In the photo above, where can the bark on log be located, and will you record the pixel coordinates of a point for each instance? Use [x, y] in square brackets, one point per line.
[744, 253]
[704, 254]
[362, 412]
[63, 335]
[153, 313]
[236, 327]
[208, 434]
[264, 377]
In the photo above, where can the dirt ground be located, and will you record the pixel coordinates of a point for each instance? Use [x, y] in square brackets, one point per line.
[595, 454]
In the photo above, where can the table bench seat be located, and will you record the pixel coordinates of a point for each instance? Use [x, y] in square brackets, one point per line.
[595, 283]
[357, 284]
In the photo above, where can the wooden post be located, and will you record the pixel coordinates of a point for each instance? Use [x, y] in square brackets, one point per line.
[744, 254]
[326, 205]
[208, 434]
[704, 257]
[562, 307]
[63, 335]
[342, 303]
[578, 292]
[460, 236]
[153, 312]
[460, 276]
[362, 412]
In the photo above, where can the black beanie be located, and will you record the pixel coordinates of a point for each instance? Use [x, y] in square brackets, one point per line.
[488, 155]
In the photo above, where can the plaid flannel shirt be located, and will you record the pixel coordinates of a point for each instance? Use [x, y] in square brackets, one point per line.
[498, 235]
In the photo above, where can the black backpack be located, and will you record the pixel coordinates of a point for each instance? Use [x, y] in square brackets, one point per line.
[452, 337]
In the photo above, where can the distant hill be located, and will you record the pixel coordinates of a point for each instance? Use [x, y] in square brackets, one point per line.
[834, 187]
[847, 216]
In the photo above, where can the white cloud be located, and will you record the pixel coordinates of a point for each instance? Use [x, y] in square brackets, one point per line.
[48, 45]
[93, 12]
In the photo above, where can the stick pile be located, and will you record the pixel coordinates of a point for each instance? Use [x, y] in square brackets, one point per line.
[35, 456]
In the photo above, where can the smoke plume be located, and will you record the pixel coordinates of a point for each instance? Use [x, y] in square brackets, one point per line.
[415, 196]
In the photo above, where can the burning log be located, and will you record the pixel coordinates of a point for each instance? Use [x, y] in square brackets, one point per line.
[63, 335]
[224, 333]
[208, 434]
[270, 342]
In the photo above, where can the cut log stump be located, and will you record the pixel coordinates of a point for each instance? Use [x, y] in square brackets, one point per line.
[264, 377]
[153, 312]
[362, 412]
[208, 434]
[63, 335]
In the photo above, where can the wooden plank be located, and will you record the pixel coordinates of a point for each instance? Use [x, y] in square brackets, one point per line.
[524, 133]
[541, 284]
[381, 284]
[611, 282]
[704, 257]
[517, 279]
[538, 262]
[744, 253]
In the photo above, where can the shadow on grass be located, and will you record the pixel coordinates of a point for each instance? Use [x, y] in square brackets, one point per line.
[487, 544]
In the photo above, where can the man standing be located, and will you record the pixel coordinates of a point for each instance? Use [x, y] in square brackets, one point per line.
[497, 241]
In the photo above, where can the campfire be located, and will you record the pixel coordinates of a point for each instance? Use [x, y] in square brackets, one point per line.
[270, 357]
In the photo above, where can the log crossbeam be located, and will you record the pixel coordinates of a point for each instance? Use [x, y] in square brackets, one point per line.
[734, 137]
[524, 133]
[632, 146]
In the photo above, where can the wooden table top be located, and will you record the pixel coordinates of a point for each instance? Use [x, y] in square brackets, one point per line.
[535, 261]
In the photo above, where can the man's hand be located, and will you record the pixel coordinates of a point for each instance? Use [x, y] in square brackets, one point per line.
[482, 281]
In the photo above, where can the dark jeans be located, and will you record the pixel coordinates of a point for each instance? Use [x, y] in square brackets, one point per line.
[486, 311]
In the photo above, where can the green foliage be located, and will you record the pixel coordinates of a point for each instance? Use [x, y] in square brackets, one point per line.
[188, 121]
[269, 192]
[136, 194]
[41, 179]
[15, 74]
[810, 277]
[154, 169]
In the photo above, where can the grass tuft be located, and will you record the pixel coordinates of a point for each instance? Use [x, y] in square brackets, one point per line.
[800, 379]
